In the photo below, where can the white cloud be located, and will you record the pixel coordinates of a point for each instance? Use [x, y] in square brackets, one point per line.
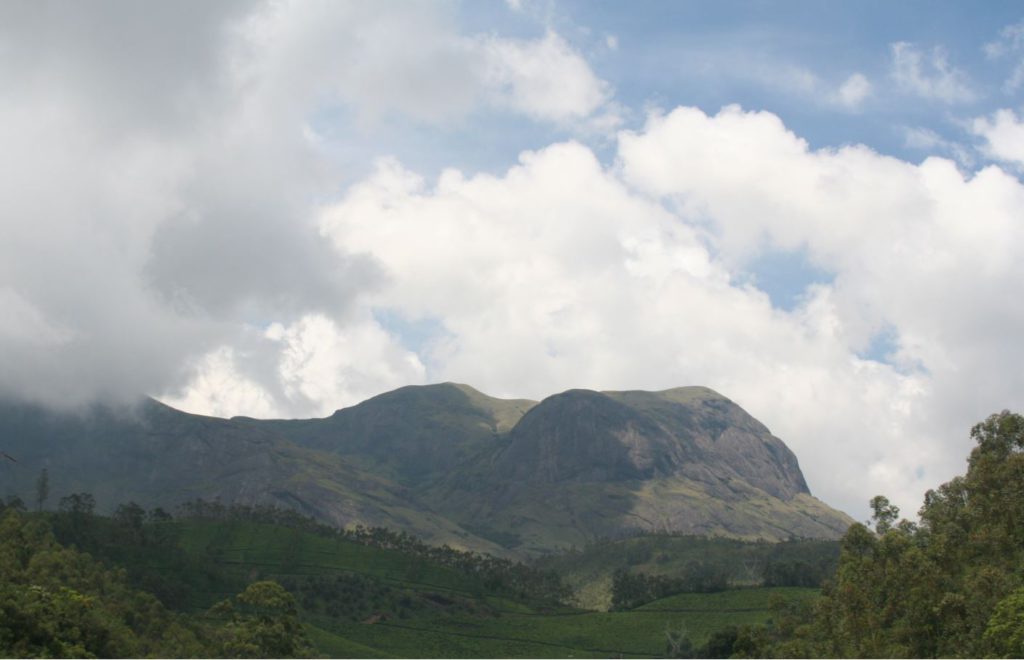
[545, 79]
[308, 368]
[919, 249]
[852, 93]
[220, 387]
[327, 367]
[1004, 136]
[929, 75]
[565, 273]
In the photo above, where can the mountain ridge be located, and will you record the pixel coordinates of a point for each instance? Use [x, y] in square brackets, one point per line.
[450, 464]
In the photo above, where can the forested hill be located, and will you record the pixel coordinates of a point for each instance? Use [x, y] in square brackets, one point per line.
[447, 463]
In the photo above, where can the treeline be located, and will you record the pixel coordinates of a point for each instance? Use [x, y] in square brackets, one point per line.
[644, 569]
[630, 590]
[951, 585]
[56, 601]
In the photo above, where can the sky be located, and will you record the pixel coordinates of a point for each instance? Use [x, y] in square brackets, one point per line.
[278, 209]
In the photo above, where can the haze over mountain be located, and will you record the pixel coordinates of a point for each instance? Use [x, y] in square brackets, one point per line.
[448, 463]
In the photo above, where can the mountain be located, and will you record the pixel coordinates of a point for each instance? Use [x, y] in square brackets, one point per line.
[158, 456]
[447, 463]
[582, 465]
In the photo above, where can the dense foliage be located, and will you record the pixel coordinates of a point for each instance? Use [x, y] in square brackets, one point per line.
[58, 602]
[951, 585]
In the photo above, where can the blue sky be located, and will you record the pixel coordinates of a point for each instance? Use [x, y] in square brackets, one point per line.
[283, 208]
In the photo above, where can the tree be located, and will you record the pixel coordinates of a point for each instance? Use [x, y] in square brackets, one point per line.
[262, 623]
[1004, 634]
[884, 513]
[78, 504]
[129, 518]
[42, 489]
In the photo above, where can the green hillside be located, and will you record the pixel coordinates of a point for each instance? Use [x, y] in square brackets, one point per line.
[374, 593]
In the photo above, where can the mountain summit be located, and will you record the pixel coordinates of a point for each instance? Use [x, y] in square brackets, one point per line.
[448, 463]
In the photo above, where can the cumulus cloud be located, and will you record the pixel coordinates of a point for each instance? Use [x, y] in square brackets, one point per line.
[160, 183]
[544, 79]
[929, 74]
[570, 273]
[1003, 135]
[872, 220]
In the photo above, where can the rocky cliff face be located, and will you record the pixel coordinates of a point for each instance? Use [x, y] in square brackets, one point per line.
[691, 433]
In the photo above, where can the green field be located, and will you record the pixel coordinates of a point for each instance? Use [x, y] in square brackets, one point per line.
[444, 612]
